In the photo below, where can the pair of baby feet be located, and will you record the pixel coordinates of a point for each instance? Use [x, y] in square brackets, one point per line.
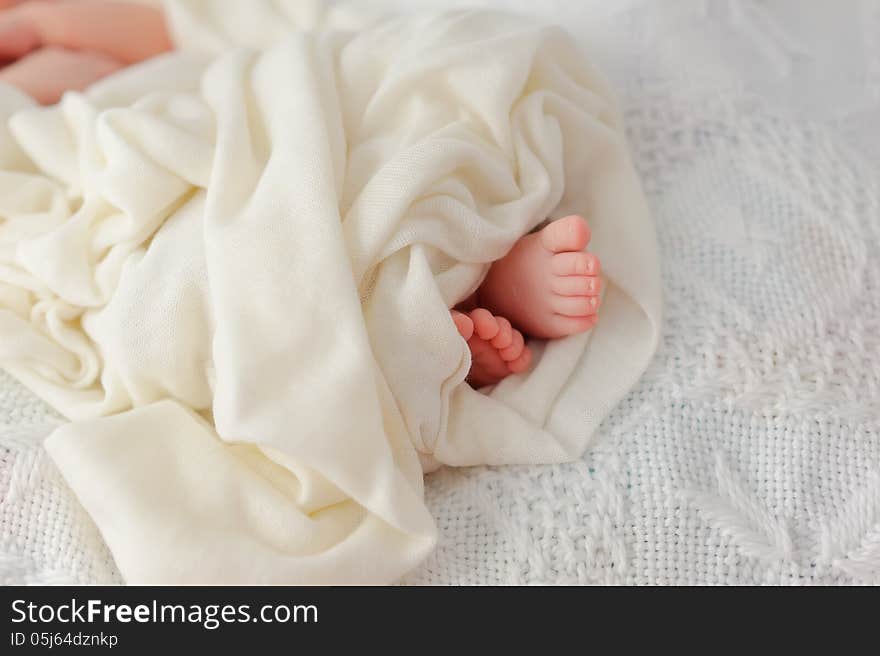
[547, 287]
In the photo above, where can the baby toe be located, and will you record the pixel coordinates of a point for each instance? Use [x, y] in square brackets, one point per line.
[515, 349]
[504, 338]
[576, 285]
[485, 324]
[575, 306]
[522, 363]
[569, 234]
[563, 326]
[463, 323]
[575, 264]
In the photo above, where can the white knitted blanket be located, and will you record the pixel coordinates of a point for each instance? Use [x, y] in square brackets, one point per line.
[750, 451]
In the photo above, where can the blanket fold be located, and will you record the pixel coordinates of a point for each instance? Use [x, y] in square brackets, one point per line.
[232, 267]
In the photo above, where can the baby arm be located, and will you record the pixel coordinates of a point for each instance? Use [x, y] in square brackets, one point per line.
[54, 46]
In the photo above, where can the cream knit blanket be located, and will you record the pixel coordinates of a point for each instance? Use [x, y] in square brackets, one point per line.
[231, 269]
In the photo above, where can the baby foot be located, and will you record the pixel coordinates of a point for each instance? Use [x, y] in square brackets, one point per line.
[497, 349]
[547, 285]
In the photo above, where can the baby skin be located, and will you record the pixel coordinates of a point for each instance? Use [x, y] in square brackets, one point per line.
[547, 287]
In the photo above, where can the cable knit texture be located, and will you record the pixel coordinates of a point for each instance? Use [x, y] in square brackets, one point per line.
[750, 450]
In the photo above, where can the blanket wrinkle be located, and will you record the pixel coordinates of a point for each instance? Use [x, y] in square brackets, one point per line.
[231, 268]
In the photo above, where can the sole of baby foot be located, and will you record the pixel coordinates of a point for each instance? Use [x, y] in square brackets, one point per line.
[548, 286]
